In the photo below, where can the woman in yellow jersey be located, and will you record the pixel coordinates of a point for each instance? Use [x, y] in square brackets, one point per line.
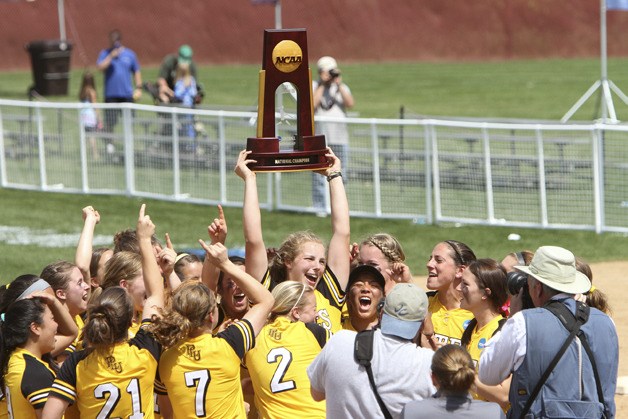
[301, 257]
[28, 336]
[384, 252]
[72, 291]
[201, 372]
[447, 262]
[484, 292]
[114, 376]
[284, 349]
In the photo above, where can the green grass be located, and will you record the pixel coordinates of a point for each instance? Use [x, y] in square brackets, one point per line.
[538, 89]
[514, 89]
[186, 223]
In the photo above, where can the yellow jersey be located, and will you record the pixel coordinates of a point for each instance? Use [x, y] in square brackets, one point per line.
[330, 298]
[118, 383]
[448, 325]
[201, 375]
[27, 384]
[278, 365]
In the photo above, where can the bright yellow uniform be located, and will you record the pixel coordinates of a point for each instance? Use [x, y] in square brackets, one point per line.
[478, 340]
[278, 365]
[449, 325]
[201, 375]
[27, 382]
[115, 384]
[329, 299]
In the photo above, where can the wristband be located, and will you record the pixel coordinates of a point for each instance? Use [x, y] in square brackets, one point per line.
[334, 175]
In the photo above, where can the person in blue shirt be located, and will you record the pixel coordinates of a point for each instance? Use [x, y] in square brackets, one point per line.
[122, 70]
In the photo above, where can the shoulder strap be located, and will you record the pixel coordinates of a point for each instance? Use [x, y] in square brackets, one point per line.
[572, 324]
[363, 353]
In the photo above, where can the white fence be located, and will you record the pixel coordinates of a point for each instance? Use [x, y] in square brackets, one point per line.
[538, 175]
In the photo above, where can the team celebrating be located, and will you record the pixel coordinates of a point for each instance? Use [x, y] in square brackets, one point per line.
[304, 330]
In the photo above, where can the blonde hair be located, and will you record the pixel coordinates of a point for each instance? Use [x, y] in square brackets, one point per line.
[122, 265]
[288, 296]
[288, 251]
[57, 274]
[389, 246]
[595, 297]
[190, 305]
[453, 368]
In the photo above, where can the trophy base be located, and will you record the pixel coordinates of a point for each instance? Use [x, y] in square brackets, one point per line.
[269, 158]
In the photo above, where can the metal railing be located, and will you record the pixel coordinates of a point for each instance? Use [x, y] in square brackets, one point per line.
[549, 175]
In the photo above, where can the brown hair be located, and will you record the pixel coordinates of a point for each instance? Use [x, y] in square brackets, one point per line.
[87, 84]
[183, 260]
[595, 298]
[288, 251]
[389, 246]
[462, 254]
[191, 303]
[126, 241]
[57, 274]
[109, 319]
[453, 368]
[122, 265]
[492, 275]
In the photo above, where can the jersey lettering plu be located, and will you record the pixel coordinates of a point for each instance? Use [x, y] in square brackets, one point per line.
[278, 368]
[27, 384]
[329, 299]
[448, 325]
[201, 375]
[116, 383]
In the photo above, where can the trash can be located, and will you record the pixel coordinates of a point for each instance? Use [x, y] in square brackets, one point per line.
[50, 60]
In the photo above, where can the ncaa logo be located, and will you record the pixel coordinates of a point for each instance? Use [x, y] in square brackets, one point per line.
[482, 343]
[465, 324]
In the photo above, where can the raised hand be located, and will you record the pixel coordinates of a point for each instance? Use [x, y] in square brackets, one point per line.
[89, 213]
[167, 257]
[335, 165]
[218, 228]
[145, 227]
[242, 168]
[216, 253]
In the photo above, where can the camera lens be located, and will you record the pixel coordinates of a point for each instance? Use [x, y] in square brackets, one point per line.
[516, 281]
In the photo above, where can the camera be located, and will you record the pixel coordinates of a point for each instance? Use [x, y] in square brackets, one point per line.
[334, 72]
[515, 282]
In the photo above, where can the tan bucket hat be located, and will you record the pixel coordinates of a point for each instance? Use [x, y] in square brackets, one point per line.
[556, 267]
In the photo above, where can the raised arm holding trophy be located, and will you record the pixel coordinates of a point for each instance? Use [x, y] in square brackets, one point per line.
[285, 60]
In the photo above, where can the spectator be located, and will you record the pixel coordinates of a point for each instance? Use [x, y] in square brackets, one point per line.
[90, 117]
[453, 374]
[400, 368]
[331, 97]
[168, 72]
[185, 92]
[531, 339]
[118, 63]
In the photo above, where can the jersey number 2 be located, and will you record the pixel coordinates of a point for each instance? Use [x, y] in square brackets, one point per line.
[199, 379]
[113, 393]
[276, 383]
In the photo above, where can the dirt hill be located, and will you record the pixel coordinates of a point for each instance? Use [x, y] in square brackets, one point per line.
[352, 30]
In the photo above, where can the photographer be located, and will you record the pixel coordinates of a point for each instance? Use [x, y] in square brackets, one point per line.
[331, 97]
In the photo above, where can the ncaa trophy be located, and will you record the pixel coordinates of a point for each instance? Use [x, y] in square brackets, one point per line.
[285, 60]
